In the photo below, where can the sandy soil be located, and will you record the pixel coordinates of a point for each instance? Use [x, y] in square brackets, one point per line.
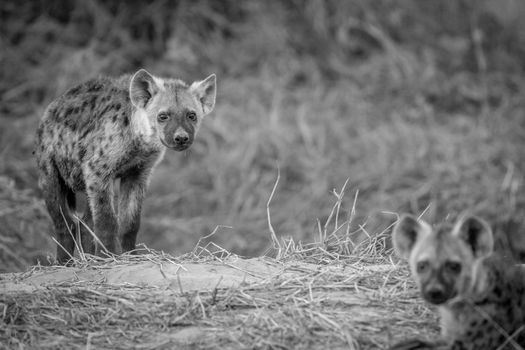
[230, 273]
[351, 299]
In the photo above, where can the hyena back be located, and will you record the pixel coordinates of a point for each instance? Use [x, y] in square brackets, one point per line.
[107, 129]
[480, 295]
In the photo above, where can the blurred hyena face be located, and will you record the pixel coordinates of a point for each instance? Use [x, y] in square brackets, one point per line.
[442, 267]
[442, 259]
[170, 110]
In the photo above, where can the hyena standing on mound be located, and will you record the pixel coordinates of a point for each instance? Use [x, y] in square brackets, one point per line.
[107, 129]
[480, 295]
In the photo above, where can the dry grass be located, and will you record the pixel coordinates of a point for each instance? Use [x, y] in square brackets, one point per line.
[405, 103]
[312, 310]
[408, 105]
[21, 240]
[344, 303]
[328, 294]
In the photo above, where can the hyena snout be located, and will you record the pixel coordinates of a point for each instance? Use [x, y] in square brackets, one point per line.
[181, 138]
[436, 294]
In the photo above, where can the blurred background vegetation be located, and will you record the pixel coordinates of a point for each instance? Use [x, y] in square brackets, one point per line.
[419, 104]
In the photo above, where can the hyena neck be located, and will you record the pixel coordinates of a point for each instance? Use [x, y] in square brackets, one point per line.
[144, 135]
[477, 287]
[480, 282]
[142, 129]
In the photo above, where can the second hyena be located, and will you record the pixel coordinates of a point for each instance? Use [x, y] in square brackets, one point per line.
[479, 294]
[107, 129]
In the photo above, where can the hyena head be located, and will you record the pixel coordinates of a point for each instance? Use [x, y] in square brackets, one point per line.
[444, 260]
[169, 110]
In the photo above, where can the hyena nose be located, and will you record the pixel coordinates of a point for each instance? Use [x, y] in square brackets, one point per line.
[436, 295]
[181, 138]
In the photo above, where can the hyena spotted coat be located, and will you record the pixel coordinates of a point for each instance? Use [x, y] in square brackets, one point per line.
[107, 129]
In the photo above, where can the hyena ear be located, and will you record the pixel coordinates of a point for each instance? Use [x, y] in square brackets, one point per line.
[477, 234]
[205, 91]
[405, 234]
[142, 88]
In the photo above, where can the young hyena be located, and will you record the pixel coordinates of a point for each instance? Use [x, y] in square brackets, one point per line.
[107, 129]
[480, 296]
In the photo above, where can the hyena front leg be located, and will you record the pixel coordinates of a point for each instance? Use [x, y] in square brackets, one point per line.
[60, 200]
[88, 243]
[132, 192]
[100, 198]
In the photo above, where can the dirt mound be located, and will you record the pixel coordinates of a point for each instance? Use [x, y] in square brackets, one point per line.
[156, 302]
[189, 276]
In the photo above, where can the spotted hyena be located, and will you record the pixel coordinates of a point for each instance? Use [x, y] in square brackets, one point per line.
[479, 295]
[107, 129]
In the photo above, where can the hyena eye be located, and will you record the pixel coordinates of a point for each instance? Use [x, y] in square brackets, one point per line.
[163, 117]
[191, 116]
[422, 266]
[453, 267]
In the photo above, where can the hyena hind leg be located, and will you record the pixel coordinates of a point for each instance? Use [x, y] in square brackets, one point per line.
[60, 201]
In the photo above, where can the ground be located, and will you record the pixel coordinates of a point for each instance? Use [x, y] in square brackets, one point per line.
[156, 301]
